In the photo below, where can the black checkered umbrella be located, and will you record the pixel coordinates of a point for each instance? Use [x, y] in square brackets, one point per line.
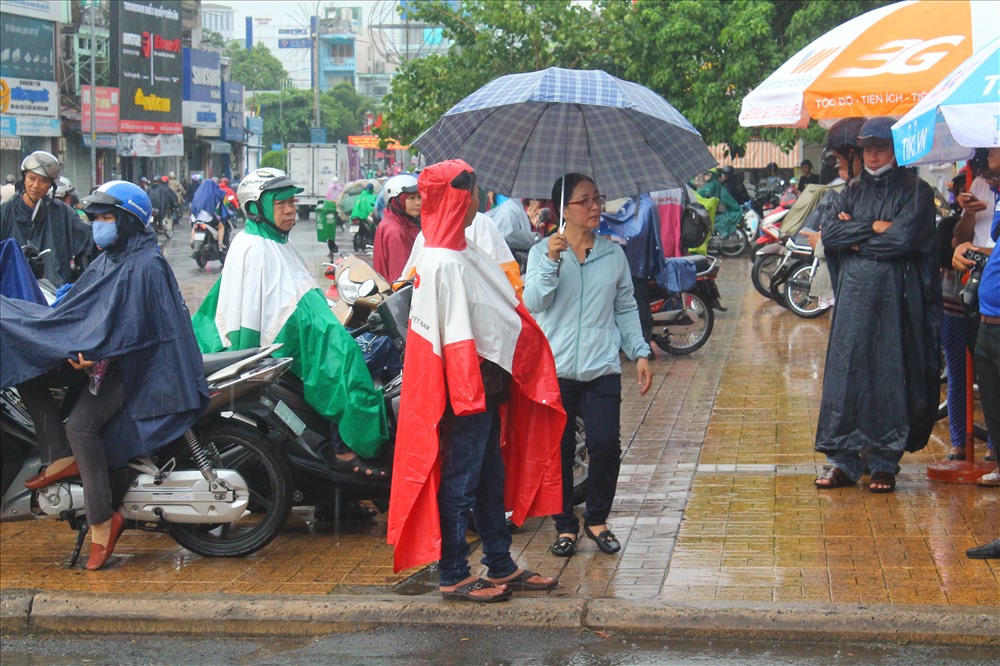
[523, 131]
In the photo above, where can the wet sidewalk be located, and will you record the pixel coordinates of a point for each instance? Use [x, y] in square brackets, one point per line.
[715, 504]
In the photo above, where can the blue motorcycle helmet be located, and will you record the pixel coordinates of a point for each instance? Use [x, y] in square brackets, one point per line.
[120, 196]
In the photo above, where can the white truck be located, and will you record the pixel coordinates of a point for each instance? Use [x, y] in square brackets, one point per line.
[313, 166]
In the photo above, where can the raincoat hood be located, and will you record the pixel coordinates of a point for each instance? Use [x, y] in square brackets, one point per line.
[443, 212]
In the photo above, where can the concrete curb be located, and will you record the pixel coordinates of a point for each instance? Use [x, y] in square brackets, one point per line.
[66, 613]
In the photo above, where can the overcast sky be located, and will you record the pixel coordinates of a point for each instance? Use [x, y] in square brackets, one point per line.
[290, 11]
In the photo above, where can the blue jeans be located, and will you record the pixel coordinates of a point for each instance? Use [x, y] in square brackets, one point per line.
[599, 403]
[878, 461]
[472, 477]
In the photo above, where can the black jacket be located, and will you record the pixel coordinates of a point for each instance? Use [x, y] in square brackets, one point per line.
[58, 228]
[881, 383]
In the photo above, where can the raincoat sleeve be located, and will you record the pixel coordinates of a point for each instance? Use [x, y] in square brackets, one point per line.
[840, 234]
[910, 225]
[541, 279]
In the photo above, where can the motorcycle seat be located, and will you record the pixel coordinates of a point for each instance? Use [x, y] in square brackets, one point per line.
[215, 362]
[700, 261]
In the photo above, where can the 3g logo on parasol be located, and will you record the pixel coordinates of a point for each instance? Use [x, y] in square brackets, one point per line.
[903, 56]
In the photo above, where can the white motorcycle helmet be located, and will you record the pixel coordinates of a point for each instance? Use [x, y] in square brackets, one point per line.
[44, 164]
[398, 185]
[253, 186]
[64, 187]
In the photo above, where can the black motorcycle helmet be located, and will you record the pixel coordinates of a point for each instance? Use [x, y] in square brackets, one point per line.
[842, 138]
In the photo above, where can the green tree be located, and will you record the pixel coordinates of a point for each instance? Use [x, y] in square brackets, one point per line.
[703, 56]
[289, 114]
[256, 68]
[276, 159]
[212, 41]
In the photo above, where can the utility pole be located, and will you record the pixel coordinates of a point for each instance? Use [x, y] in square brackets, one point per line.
[315, 32]
[93, 94]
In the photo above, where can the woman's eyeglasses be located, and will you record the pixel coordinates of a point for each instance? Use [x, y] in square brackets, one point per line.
[589, 201]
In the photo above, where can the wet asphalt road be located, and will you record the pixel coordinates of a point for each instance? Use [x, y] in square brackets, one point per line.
[444, 646]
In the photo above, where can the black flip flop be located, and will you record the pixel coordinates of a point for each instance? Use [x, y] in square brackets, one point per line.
[464, 592]
[521, 582]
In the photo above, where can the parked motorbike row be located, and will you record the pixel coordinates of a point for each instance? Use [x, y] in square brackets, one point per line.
[227, 487]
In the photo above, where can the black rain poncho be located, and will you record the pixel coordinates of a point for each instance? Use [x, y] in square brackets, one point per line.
[880, 385]
[56, 227]
[125, 306]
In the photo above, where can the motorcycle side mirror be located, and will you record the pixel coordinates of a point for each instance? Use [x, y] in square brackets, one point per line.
[368, 288]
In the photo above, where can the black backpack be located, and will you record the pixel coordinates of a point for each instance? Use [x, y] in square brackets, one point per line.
[696, 225]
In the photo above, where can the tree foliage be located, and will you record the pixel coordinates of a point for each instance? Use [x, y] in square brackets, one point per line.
[256, 68]
[289, 114]
[275, 159]
[703, 56]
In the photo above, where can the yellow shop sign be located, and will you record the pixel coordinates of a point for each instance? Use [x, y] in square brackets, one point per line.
[152, 102]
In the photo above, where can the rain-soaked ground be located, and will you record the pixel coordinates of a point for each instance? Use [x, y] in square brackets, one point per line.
[459, 646]
[715, 500]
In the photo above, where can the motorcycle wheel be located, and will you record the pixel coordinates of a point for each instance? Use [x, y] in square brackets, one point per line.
[760, 274]
[738, 236]
[237, 446]
[359, 242]
[581, 465]
[797, 297]
[696, 312]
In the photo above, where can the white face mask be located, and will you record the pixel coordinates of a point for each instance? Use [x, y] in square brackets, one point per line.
[881, 170]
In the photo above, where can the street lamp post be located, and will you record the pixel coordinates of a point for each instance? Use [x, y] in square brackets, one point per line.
[315, 34]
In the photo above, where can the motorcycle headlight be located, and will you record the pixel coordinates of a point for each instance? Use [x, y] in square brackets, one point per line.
[348, 289]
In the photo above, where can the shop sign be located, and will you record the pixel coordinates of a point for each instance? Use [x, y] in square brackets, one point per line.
[146, 55]
[150, 145]
[202, 89]
[232, 124]
[27, 48]
[32, 106]
[47, 10]
[103, 140]
[107, 109]
[371, 141]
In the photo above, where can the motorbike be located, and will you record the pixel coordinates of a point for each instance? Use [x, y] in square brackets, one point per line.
[163, 222]
[791, 282]
[683, 321]
[364, 237]
[735, 244]
[221, 490]
[205, 243]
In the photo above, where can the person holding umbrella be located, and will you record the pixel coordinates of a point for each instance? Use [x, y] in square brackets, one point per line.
[579, 288]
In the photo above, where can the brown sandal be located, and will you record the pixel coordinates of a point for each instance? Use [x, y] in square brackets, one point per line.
[836, 478]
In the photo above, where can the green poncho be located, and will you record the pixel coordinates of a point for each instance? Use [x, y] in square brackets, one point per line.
[265, 295]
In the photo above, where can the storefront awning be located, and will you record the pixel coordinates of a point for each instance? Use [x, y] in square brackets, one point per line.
[759, 154]
[218, 147]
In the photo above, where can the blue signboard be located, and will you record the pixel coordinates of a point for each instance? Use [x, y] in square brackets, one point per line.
[276, 146]
[296, 43]
[202, 89]
[255, 124]
[232, 113]
[202, 76]
[317, 135]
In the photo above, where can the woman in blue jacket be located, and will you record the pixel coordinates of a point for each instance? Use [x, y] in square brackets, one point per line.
[583, 300]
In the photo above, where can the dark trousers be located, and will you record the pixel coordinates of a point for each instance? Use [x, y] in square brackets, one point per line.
[472, 478]
[80, 436]
[599, 403]
[988, 375]
[640, 287]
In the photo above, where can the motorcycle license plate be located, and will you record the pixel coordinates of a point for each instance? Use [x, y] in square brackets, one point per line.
[199, 235]
[289, 417]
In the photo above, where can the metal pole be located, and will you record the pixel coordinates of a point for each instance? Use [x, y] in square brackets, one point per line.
[316, 65]
[93, 94]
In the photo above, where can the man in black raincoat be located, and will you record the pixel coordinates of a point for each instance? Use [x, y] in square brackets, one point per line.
[880, 385]
[35, 217]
